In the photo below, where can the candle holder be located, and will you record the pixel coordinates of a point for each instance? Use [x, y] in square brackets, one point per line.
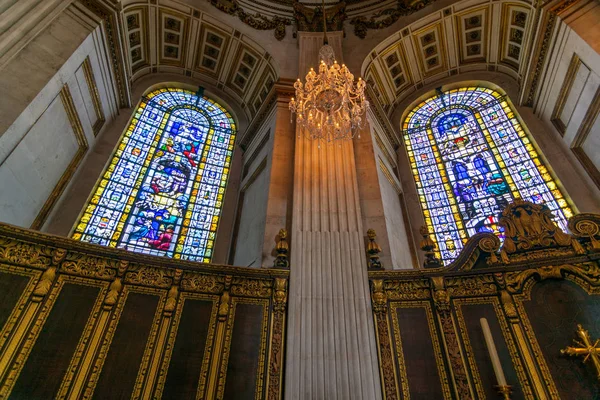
[504, 391]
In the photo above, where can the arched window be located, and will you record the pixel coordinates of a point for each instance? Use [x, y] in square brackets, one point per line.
[470, 156]
[163, 190]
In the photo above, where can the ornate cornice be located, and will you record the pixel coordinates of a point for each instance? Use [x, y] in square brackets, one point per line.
[105, 257]
[385, 18]
[255, 21]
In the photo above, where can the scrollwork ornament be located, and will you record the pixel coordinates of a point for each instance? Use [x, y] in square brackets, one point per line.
[202, 283]
[148, 276]
[490, 244]
[251, 287]
[586, 226]
[87, 266]
[27, 254]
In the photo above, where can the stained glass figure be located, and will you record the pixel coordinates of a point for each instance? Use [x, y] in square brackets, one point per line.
[163, 190]
[470, 157]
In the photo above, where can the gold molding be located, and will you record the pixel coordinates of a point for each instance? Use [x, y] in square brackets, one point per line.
[95, 94]
[91, 331]
[565, 90]
[435, 342]
[506, 335]
[69, 106]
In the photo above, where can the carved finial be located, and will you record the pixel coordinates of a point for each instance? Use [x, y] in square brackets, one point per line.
[428, 246]
[373, 250]
[282, 249]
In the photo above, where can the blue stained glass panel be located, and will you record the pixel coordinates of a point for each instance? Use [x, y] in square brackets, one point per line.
[163, 190]
[470, 157]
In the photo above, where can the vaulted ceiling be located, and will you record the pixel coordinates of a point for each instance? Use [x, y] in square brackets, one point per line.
[467, 36]
[176, 38]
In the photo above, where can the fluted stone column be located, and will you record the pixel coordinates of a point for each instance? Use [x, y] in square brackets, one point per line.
[331, 352]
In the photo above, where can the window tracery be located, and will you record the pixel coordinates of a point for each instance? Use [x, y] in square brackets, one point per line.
[470, 157]
[163, 190]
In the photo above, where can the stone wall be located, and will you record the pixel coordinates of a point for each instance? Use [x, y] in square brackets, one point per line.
[58, 105]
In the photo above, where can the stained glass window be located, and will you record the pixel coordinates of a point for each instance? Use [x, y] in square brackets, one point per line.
[163, 190]
[470, 157]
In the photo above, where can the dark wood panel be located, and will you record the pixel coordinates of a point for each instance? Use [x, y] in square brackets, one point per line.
[127, 348]
[11, 288]
[555, 309]
[188, 352]
[242, 368]
[472, 313]
[47, 364]
[419, 357]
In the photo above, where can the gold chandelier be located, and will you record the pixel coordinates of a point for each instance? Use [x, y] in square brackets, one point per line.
[330, 105]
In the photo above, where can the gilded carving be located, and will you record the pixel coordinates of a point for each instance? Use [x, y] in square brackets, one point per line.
[202, 283]
[86, 266]
[256, 21]
[476, 285]
[45, 283]
[251, 287]
[282, 249]
[441, 299]
[586, 226]
[149, 276]
[25, 254]
[277, 339]
[428, 246]
[310, 19]
[385, 18]
[413, 289]
[528, 226]
[373, 250]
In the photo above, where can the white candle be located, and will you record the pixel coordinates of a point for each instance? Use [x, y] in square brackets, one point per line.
[493, 353]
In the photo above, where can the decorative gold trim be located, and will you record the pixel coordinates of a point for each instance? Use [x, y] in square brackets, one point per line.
[107, 337]
[30, 326]
[260, 379]
[95, 94]
[507, 336]
[528, 343]
[91, 335]
[19, 307]
[184, 33]
[172, 337]
[437, 349]
[69, 106]
[151, 344]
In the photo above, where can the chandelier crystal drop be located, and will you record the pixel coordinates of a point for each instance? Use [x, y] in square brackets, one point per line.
[330, 105]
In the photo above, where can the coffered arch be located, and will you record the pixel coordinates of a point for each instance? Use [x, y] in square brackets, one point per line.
[169, 37]
[467, 36]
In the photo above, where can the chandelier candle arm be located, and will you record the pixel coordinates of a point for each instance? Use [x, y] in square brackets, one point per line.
[330, 106]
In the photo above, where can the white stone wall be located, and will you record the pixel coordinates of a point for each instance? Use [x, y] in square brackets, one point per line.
[579, 92]
[40, 145]
[254, 195]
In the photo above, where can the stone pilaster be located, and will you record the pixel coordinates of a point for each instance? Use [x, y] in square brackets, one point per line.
[331, 350]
